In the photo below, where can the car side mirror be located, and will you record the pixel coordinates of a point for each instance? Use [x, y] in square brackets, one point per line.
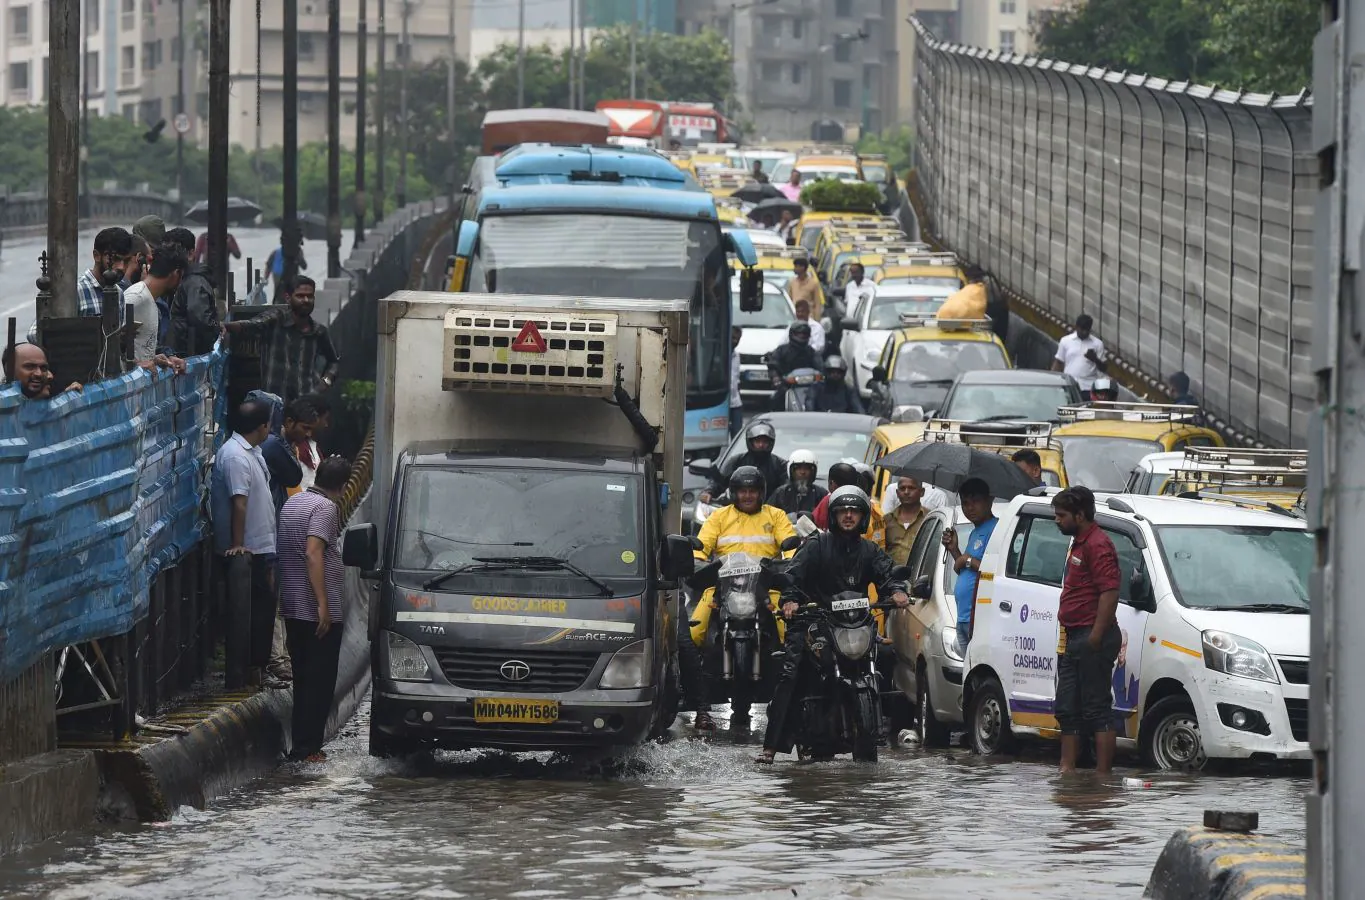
[850, 324]
[360, 547]
[791, 543]
[696, 543]
[879, 374]
[923, 589]
[751, 290]
[1140, 592]
[901, 573]
[677, 561]
[702, 467]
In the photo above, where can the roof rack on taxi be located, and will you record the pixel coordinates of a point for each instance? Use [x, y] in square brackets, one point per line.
[782, 252]
[1297, 511]
[1121, 411]
[1257, 469]
[927, 258]
[993, 434]
[928, 320]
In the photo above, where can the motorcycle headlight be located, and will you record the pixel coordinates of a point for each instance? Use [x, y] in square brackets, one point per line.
[949, 635]
[1233, 655]
[742, 604]
[630, 667]
[406, 661]
[853, 643]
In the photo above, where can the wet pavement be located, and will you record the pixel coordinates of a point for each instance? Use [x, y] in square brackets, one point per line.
[683, 819]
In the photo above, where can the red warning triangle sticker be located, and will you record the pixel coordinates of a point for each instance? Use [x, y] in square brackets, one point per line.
[529, 339]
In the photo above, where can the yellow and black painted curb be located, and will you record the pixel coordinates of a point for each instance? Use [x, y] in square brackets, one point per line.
[1227, 865]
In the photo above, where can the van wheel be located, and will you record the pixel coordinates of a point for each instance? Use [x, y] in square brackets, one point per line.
[932, 732]
[1169, 735]
[988, 720]
[386, 746]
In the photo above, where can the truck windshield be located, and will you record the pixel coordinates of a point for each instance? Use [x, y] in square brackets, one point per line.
[450, 516]
[599, 255]
[1238, 567]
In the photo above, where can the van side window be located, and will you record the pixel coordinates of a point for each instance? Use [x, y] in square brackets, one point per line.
[1130, 560]
[928, 536]
[1038, 551]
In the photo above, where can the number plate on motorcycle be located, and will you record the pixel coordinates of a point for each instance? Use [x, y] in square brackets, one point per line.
[516, 710]
[736, 571]
[843, 605]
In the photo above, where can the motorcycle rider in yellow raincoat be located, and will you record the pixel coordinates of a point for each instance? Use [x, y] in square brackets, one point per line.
[747, 526]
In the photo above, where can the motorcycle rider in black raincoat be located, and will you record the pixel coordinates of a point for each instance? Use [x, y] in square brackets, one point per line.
[796, 353]
[829, 563]
[759, 438]
[836, 394]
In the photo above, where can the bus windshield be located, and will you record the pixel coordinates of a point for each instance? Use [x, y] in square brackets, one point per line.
[603, 255]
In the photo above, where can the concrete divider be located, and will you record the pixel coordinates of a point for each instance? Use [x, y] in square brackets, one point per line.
[1225, 865]
[44, 795]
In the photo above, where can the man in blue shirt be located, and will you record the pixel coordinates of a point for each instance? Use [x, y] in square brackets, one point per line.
[976, 499]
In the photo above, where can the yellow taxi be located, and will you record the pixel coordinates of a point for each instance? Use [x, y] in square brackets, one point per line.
[1104, 442]
[844, 249]
[1006, 439]
[778, 264]
[877, 170]
[845, 227]
[1277, 477]
[921, 360]
[886, 438]
[813, 223]
[873, 259]
[928, 269]
[818, 165]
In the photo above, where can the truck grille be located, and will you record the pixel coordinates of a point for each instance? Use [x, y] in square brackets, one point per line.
[1298, 718]
[579, 357]
[552, 671]
[1295, 670]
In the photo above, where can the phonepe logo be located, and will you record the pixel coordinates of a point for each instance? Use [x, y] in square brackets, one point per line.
[1023, 613]
[1043, 615]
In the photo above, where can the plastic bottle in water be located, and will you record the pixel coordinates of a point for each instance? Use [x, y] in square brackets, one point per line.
[1136, 783]
[907, 737]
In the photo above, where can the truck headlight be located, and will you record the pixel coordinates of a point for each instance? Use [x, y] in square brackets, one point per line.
[630, 667]
[1233, 655]
[949, 635]
[406, 661]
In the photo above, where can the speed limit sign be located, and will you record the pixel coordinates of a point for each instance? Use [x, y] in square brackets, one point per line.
[182, 123]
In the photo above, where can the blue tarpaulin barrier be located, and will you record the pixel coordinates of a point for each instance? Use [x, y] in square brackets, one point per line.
[100, 489]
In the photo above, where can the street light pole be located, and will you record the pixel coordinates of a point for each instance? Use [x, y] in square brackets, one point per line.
[290, 231]
[450, 108]
[219, 42]
[66, 56]
[333, 138]
[634, 28]
[361, 77]
[404, 55]
[180, 107]
[573, 54]
[521, 53]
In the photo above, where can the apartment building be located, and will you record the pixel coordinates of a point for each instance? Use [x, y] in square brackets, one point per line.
[112, 69]
[1004, 25]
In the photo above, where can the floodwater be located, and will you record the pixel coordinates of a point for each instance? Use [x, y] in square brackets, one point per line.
[19, 265]
[682, 819]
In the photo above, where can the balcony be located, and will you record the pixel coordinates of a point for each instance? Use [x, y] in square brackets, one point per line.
[782, 47]
[127, 78]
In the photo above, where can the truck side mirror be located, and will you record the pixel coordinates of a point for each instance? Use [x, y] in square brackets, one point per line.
[922, 590]
[677, 562]
[360, 548]
[751, 290]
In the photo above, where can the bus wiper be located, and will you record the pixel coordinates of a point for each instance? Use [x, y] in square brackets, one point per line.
[481, 566]
[545, 562]
[1262, 607]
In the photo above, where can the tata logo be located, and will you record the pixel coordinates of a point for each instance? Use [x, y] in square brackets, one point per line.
[432, 629]
[515, 670]
[1023, 613]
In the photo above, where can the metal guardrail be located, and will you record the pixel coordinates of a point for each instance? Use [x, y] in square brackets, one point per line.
[1180, 216]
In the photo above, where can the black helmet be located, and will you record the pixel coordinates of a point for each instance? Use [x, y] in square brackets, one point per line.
[799, 327]
[836, 363]
[850, 497]
[759, 430]
[842, 473]
[748, 477]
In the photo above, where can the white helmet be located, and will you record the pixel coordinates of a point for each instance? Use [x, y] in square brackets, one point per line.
[802, 458]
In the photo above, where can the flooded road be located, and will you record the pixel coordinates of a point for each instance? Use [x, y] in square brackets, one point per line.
[685, 819]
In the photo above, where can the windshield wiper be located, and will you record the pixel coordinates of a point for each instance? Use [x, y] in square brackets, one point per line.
[1262, 607]
[544, 563]
[481, 566]
[934, 381]
[1002, 417]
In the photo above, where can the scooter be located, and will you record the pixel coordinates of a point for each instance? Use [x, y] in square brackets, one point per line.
[801, 385]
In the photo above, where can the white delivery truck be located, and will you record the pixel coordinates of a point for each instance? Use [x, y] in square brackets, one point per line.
[528, 469]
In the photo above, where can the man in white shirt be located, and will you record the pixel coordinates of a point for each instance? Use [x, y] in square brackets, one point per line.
[736, 401]
[817, 331]
[151, 299]
[858, 290]
[1081, 355]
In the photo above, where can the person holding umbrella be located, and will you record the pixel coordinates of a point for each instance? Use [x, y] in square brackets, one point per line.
[976, 499]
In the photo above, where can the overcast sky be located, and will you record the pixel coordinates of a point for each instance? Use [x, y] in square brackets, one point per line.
[503, 13]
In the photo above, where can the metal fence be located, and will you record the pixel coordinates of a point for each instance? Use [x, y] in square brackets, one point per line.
[1179, 216]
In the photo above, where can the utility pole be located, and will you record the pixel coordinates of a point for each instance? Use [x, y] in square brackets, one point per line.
[521, 54]
[573, 53]
[83, 204]
[634, 29]
[180, 106]
[380, 114]
[333, 138]
[66, 56]
[361, 77]
[404, 56]
[220, 21]
[289, 237]
[583, 58]
[450, 109]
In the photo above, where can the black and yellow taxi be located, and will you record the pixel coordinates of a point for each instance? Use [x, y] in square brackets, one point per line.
[814, 223]
[1104, 441]
[1278, 477]
[923, 358]
[929, 269]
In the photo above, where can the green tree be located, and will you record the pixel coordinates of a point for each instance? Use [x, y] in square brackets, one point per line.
[433, 145]
[897, 145]
[695, 67]
[546, 80]
[1264, 45]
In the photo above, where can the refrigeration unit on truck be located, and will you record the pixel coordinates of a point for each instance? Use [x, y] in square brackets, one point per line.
[528, 466]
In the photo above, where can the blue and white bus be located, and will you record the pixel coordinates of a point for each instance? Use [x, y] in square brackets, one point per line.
[614, 222]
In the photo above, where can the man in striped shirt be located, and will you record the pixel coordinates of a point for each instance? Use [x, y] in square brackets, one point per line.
[310, 579]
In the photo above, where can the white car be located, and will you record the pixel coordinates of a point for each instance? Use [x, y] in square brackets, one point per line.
[867, 328]
[763, 332]
[768, 159]
[1152, 472]
[1214, 619]
[762, 237]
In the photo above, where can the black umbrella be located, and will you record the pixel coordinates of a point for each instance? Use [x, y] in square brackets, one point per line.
[238, 211]
[756, 192]
[947, 466]
[312, 226]
[773, 208]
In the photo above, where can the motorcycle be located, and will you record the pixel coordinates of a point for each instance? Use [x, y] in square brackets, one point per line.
[800, 387]
[837, 707]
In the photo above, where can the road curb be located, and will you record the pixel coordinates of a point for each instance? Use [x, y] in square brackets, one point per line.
[42, 796]
[1226, 865]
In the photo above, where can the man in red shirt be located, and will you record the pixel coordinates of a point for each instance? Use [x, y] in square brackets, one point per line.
[1090, 636]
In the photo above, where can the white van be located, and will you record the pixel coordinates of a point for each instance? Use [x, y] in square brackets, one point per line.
[1213, 609]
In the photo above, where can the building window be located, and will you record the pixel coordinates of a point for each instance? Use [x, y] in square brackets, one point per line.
[770, 71]
[306, 45]
[92, 71]
[130, 112]
[772, 26]
[18, 25]
[151, 55]
[843, 9]
[92, 16]
[1007, 41]
[798, 28]
[151, 111]
[1007, 7]
[18, 81]
[843, 51]
[128, 16]
[798, 72]
[127, 67]
[175, 49]
[843, 93]
[308, 102]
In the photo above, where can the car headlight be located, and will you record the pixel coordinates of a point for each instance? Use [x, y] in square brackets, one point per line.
[871, 357]
[853, 643]
[630, 667]
[406, 660]
[949, 635]
[1233, 655]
